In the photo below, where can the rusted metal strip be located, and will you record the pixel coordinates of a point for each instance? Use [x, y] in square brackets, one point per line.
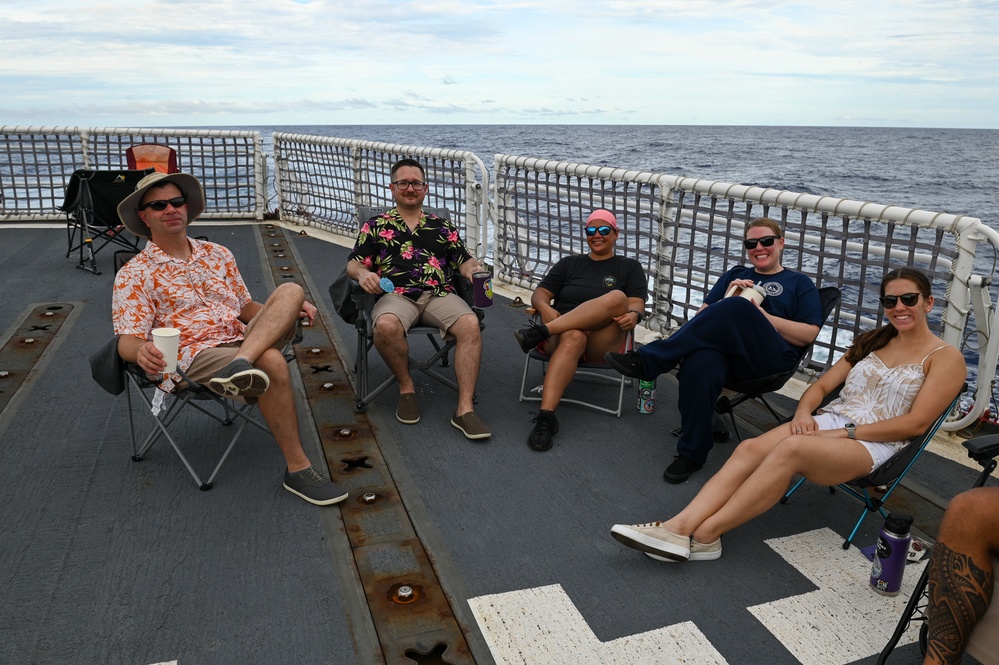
[413, 618]
[20, 354]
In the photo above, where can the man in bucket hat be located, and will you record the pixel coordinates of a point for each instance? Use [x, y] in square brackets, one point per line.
[227, 341]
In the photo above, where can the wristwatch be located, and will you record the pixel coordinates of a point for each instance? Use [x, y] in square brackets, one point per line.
[637, 313]
[851, 431]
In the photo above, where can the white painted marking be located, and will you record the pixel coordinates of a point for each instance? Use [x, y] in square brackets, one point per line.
[166, 662]
[542, 625]
[843, 621]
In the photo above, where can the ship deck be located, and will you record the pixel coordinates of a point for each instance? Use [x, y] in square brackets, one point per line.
[107, 560]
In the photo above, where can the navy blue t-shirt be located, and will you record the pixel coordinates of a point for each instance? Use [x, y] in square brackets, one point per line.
[790, 294]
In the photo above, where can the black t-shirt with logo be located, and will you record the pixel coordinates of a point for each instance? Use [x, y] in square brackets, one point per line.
[578, 278]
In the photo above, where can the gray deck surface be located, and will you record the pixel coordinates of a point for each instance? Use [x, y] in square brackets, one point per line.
[103, 560]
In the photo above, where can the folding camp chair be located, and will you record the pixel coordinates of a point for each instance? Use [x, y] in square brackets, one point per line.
[594, 372]
[984, 450]
[364, 325]
[758, 388]
[887, 476]
[156, 156]
[91, 207]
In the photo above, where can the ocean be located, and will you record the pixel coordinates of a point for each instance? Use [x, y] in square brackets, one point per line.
[946, 170]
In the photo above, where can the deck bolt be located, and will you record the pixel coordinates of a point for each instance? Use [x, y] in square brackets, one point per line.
[329, 386]
[345, 432]
[404, 593]
[29, 340]
[4, 374]
[316, 351]
[369, 497]
[49, 314]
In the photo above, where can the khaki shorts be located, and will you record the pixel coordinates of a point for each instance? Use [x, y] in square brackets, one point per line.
[428, 310]
[210, 362]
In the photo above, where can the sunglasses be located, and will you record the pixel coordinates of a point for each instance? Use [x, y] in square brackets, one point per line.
[594, 230]
[766, 241]
[908, 299]
[161, 204]
[406, 184]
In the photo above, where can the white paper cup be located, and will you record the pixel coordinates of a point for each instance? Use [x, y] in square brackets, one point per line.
[755, 294]
[167, 340]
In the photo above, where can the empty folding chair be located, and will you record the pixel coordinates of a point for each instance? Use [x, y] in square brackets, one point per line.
[440, 351]
[91, 207]
[156, 156]
[887, 476]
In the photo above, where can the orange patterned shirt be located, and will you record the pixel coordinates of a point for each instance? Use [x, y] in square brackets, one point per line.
[201, 297]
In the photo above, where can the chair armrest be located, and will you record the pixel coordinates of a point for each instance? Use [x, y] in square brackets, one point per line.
[983, 447]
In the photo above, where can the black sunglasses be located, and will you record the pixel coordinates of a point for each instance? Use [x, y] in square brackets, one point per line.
[161, 204]
[594, 230]
[766, 241]
[908, 299]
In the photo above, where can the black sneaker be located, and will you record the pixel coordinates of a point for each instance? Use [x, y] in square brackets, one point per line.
[239, 379]
[314, 487]
[545, 429]
[530, 337]
[680, 469]
[626, 363]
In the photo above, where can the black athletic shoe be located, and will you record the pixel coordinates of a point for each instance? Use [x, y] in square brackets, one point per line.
[314, 487]
[542, 437]
[530, 337]
[626, 363]
[680, 469]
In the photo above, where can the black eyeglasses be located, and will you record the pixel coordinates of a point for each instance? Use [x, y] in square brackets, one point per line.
[908, 299]
[406, 184]
[594, 230]
[766, 241]
[161, 204]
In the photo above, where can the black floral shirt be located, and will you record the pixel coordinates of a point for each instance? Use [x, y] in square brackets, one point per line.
[422, 260]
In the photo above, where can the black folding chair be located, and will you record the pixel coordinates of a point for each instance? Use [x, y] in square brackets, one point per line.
[889, 475]
[91, 207]
[364, 325]
[758, 388]
[984, 450]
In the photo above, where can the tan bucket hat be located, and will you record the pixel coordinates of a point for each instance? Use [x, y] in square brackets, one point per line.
[128, 210]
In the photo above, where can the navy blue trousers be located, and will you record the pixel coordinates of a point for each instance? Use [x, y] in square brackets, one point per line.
[728, 342]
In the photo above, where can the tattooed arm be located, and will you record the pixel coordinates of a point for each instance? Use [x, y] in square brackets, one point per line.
[961, 577]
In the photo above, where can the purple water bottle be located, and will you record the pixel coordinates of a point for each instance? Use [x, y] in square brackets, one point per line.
[892, 552]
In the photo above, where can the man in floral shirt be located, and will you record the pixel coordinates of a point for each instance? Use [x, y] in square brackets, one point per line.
[420, 253]
[227, 341]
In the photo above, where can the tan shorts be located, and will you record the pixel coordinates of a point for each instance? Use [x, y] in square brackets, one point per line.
[210, 362]
[428, 310]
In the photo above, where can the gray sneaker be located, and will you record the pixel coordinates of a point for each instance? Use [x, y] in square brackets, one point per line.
[314, 487]
[698, 552]
[239, 379]
[653, 538]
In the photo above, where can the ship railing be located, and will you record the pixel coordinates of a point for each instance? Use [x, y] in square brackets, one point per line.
[321, 181]
[686, 232]
[37, 162]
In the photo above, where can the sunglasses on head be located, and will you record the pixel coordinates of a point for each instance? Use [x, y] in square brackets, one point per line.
[766, 241]
[161, 204]
[908, 299]
[594, 230]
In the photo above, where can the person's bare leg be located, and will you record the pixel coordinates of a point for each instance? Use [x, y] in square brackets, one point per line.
[467, 356]
[823, 460]
[277, 406]
[569, 346]
[961, 577]
[393, 347]
[273, 322]
[592, 314]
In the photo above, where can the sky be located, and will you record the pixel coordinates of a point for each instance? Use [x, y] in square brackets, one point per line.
[233, 63]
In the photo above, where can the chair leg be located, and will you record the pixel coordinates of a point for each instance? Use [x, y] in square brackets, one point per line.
[787, 495]
[911, 608]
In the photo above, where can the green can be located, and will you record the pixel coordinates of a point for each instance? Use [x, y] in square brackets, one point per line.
[646, 396]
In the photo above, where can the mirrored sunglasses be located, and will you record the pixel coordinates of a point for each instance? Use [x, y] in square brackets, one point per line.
[908, 299]
[766, 241]
[594, 230]
[161, 204]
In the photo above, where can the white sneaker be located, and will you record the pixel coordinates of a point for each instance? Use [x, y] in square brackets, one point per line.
[653, 538]
[698, 552]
